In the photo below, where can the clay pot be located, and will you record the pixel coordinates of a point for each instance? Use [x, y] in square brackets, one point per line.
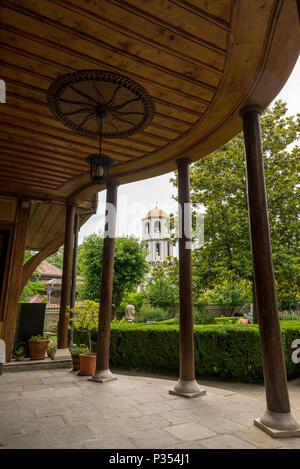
[38, 350]
[87, 364]
[75, 362]
[51, 354]
[19, 357]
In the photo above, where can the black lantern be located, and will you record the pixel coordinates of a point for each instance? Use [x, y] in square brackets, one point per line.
[99, 163]
[99, 167]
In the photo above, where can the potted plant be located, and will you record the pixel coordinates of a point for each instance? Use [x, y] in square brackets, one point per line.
[85, 319]
[38, 345]
[51, 350]
[20, 351]
[75, 353]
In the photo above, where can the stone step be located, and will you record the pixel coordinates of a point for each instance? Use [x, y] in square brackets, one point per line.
[28, 365]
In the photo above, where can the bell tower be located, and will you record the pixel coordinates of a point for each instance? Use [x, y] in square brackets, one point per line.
[156, 234]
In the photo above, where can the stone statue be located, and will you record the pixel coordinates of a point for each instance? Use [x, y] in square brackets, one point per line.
[129, 313]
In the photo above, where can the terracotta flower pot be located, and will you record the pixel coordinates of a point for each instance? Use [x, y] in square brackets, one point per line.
[38, 350]
[51, 354]
[87, 364]
[19, 357]
[75, 362]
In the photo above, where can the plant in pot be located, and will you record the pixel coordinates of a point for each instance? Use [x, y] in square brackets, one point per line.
[84, 318]
[75, 353]
[52, 347]
[38, 345]
[20, 351]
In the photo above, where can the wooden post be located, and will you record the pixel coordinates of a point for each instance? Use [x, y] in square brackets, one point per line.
[277, 419]
[103, 373]
[187, 385]
[16, 276]
[74, 276]
[62, 342]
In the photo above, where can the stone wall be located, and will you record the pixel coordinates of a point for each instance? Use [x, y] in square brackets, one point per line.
[51, 318]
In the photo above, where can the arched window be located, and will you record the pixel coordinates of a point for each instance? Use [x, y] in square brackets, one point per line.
[169, 250]
[147, 227]
[157, 226]
[147, 246]
[157, 249]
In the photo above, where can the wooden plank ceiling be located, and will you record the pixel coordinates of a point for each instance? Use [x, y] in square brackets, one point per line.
[199, 60]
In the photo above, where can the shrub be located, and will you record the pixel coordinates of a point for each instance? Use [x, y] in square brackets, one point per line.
[85, 318]
[131, 298]
[221, 351]
[290, 317]
[227, 320]
[149, 313]
[202, 317]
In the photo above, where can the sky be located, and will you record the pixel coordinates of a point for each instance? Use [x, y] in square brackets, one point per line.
[137, 198]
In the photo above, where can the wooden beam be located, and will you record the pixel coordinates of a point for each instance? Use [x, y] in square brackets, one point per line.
[277, 396]
[187, 385]
[32, 263]
[16, 275]
[62, 341]
[103, 373]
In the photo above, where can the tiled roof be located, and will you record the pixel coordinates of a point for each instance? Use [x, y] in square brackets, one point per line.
[48, 269]
[36, 299]
[58, 281]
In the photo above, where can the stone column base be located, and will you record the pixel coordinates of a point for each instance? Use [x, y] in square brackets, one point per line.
[187, 388]
[103, 376]
[278, 425]
[62, 354]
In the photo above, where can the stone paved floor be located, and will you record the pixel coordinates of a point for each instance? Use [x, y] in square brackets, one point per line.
[58, 409]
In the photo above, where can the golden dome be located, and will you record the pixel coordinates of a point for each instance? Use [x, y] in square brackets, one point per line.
[156, 212]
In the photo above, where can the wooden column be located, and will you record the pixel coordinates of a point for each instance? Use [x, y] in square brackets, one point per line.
[18, 251]
[103, 373]
[187, 385]
[277, 415]
[74, 276]
[62, 342]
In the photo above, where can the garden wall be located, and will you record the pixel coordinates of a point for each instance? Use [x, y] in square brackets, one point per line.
[227, 352]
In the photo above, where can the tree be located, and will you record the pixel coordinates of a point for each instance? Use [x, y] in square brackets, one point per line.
[218, 181]
[84, 318]
[57, 258]
[130, 267]
[162, 287]
[32, 287]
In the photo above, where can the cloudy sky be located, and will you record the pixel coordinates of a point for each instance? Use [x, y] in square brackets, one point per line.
[137, 198]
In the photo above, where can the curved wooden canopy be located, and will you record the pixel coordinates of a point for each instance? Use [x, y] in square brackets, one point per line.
[201, 61]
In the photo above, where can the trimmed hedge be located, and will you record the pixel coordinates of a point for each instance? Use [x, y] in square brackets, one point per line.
[230, 352]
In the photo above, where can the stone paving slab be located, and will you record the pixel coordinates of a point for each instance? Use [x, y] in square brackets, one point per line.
[58, 409]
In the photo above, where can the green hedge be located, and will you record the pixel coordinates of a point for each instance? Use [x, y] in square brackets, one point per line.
[230, 352]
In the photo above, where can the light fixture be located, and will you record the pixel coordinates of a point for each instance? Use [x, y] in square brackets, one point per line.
[99, 163]
[103, 104]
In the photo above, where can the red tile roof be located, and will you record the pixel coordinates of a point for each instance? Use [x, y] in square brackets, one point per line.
[48, 269]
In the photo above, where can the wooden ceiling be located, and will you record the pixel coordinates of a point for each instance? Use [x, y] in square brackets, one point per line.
[200, 60]
[47, 223]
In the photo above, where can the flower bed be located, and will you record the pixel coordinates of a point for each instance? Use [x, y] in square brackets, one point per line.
[221, 351]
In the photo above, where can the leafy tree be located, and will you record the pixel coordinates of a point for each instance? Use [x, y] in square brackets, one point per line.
[84, 318]
[130, 267]
[218, 181]
[32, 287]
[162, 287]
[57, 258]
[229, 295]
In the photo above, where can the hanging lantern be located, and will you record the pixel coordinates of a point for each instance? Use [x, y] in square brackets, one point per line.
[99, 167]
